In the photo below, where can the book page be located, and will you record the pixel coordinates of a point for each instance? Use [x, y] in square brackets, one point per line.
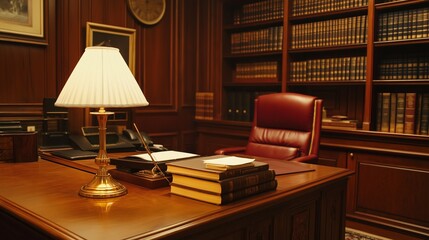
[165, 155]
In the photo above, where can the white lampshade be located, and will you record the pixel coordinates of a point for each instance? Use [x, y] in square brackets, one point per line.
[101, 79]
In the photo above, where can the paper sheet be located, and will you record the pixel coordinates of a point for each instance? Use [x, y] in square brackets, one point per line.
[165, 155]
[229, 161]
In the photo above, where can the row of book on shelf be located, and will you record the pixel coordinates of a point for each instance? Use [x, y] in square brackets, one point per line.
[333, 32]
[240, 104]
[219, 179]
[258, 12]
[403, 24]
[262, 40]
[404, 66]
[304, 7]
[403, 112]
[204, 105]
[256, 72]
[329, 69]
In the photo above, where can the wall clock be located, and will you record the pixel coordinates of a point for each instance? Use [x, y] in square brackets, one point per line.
[147, 11]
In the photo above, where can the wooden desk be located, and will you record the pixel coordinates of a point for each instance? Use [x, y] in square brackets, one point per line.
[39, 200]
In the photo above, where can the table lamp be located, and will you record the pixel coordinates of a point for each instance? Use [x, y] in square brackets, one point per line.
[101, 79]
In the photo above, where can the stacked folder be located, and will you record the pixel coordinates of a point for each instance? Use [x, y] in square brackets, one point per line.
[197, 179]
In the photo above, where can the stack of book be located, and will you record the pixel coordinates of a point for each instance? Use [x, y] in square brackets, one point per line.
[204, 105]
[195, 178]
[335, 123]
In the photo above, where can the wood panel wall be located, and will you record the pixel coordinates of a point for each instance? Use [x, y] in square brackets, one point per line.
[171, 64]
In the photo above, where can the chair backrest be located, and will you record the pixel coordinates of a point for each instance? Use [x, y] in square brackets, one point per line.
[285, 126]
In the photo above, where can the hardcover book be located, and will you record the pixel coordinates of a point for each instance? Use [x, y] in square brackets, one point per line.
[424, 118]
[400, 112]
[410, 111]
[227, 185]
[223, 198]
[195, 167]
[385, 112]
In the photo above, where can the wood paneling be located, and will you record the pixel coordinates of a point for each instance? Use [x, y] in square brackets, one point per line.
[159, 76]
[213, 135]
[389, 187]
[187, 51]
[166, 56]
[23, 73]
[398, 185]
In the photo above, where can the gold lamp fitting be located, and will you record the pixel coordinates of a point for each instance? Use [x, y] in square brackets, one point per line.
[102, 185]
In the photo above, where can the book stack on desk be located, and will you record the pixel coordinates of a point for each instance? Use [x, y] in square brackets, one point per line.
[219, 184]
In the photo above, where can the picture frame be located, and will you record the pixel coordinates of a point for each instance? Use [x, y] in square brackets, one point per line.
[23, 21]
[124, 39]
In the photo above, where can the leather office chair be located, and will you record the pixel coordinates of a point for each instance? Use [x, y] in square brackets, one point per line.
[286, 126]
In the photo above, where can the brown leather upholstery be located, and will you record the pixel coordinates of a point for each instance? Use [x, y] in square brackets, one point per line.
[286, 126]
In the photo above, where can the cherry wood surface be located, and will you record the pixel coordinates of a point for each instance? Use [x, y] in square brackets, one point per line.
[44, 195]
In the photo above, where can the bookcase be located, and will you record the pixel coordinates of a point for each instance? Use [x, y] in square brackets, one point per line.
[366, 58]
[252, 54]
[400, 67]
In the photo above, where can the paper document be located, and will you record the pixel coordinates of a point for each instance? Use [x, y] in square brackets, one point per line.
[228, 162]
[165, 155]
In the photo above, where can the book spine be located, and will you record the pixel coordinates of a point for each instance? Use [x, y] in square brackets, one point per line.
[424, 118]
[379, 111]
[249, 191]
[199, 105]
[230, 105]
[392, 126]
[238, 105]
[410, 111]
[208, 106]
[400, 112]
[385, 112]
[204, 105]
[245, 114]
[238, 172]
[238, 183]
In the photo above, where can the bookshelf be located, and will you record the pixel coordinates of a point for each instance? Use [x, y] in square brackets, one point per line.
[252, 55]
[401, 66]
[347, 52]
[327, 54]
[363, 58]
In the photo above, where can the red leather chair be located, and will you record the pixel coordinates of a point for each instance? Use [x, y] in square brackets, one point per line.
[286, 126]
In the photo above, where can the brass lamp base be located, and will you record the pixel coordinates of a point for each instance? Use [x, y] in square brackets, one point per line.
[103, 187]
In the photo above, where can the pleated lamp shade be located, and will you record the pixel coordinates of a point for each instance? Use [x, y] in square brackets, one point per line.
[101, 79]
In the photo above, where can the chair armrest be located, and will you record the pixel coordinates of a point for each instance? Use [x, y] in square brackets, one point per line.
[312, 158]
[230, 150]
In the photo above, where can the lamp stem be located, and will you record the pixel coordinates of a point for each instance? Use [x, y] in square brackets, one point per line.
[102, 185]
[102, 160]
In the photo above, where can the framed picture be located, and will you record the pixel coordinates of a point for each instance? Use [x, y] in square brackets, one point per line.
[22, 21]
[106, 35]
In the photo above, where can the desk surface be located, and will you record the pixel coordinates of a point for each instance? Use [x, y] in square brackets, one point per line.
[45, 194]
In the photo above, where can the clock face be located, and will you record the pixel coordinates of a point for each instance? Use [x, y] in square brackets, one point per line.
[147, 11]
